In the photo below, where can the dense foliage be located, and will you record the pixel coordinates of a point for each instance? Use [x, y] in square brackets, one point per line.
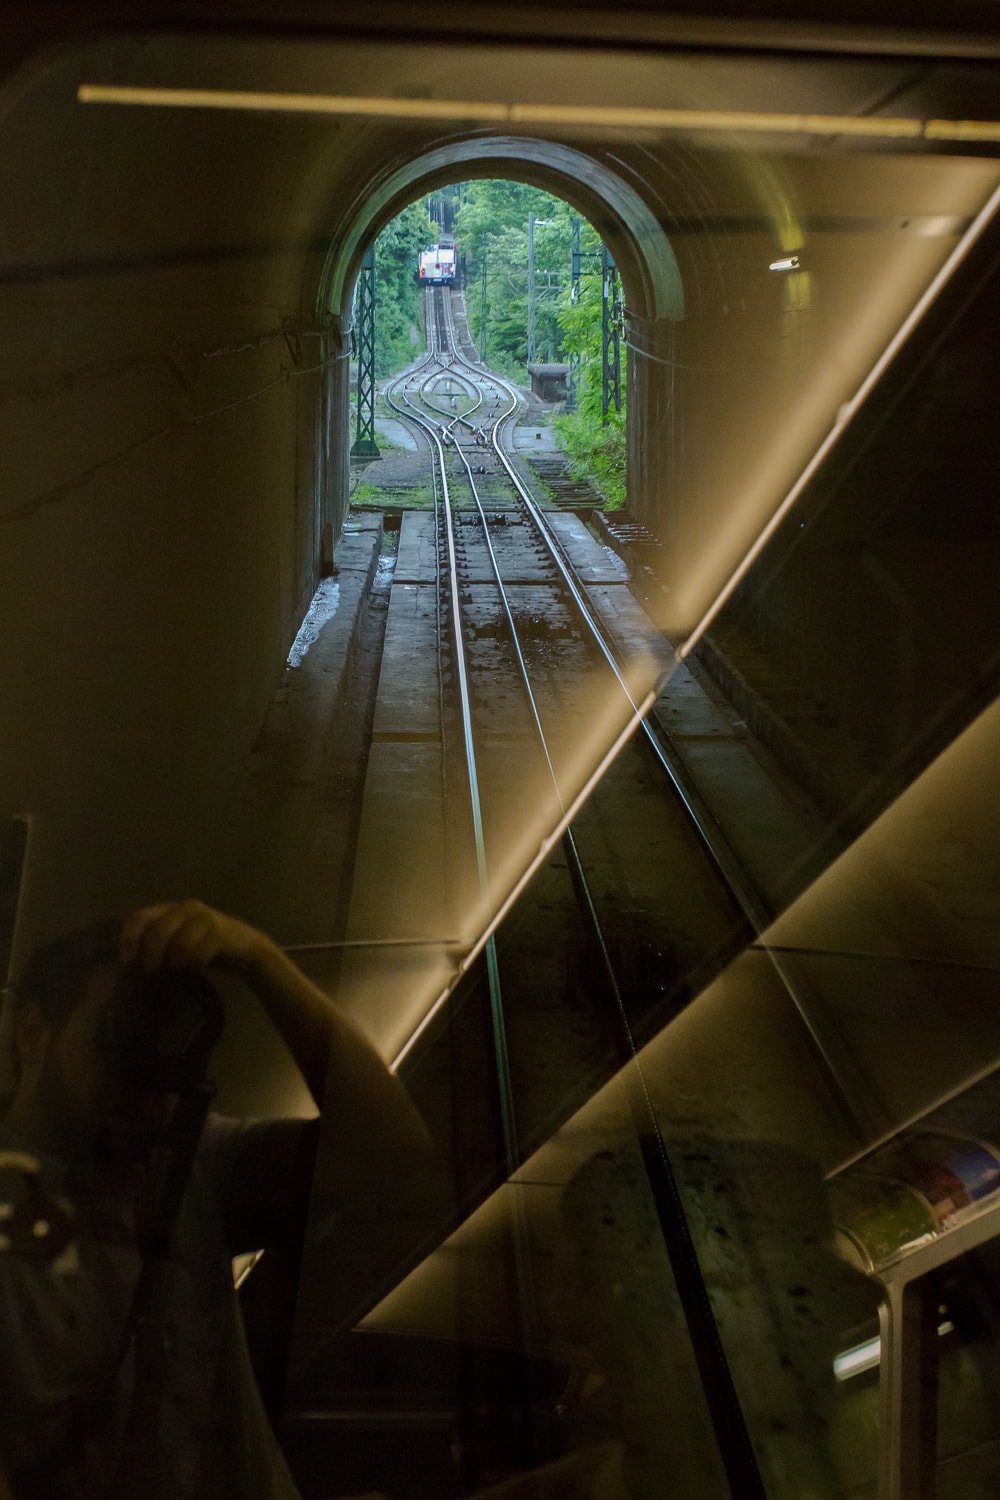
[490, 223]
[398, 312]
[492, 229]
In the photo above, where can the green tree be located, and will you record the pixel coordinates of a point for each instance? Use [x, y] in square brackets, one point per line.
[397, 293]
[491, 230]
[595, 443]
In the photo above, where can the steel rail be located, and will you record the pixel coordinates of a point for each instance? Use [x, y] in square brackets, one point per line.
[445, 359]
[505, 1087]
[835, 1059]
[726, 1414]
[735, 1447]
[577, 870]
[515, 638]
[453, 417]
[521, 1238]
[505, 1091]
[505, 604]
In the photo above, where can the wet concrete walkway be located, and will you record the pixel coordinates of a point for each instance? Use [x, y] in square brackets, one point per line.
[288, 836]
[336, 831]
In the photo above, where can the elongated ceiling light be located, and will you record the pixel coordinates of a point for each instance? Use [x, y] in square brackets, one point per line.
[479, 110]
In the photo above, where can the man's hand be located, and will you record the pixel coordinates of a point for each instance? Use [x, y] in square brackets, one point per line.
[190, 935]
[373, 1121]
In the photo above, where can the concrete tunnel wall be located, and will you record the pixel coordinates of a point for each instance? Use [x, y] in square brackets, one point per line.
[164, 500]
[173, 319]
[881, 589]
[621, 216]
[172, 360]
[736, 375]
[164, 495]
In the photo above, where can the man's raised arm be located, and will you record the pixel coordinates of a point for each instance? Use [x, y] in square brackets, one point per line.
[339, 1064]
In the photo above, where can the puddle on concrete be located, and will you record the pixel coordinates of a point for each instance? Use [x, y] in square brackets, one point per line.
[321, 610]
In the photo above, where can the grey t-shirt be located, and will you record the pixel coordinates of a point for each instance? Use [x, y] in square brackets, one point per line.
[70, 1397]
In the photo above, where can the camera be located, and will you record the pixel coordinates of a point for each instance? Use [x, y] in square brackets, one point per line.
[158, 1029]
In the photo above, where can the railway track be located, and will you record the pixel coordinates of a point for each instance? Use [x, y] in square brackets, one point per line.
[534, 695]
[626, 905]
[589, 896]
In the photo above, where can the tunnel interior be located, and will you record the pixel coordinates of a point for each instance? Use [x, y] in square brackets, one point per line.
[809, 295]
[196, 318]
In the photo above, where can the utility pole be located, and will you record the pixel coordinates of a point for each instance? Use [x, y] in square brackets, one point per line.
[611, 353]
[574, 296]
[482, 310]
[365, 445]
[531, 289]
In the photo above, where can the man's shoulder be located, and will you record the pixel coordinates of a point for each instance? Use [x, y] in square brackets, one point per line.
[226, 1138]
[260, 1173]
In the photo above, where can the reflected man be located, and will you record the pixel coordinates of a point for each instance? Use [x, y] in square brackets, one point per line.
[122, 1201]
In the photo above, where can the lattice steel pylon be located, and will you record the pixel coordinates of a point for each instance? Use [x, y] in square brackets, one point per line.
[532, 350]
[365, 445]
[574, 296]
[482, 311]
[611, 332]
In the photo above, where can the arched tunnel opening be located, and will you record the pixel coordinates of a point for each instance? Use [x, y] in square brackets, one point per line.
[650, 850]
[539, 300]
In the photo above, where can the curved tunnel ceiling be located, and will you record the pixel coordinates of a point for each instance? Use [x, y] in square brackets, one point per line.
[737, 376]
[339, 179]
[159, 279]
[635, 236]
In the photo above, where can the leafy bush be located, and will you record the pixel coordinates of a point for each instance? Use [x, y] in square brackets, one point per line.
[597, 451]
[492, 227]
[397, 293]
[491, 231]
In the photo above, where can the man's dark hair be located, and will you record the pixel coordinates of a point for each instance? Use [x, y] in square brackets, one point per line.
[55, 974]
